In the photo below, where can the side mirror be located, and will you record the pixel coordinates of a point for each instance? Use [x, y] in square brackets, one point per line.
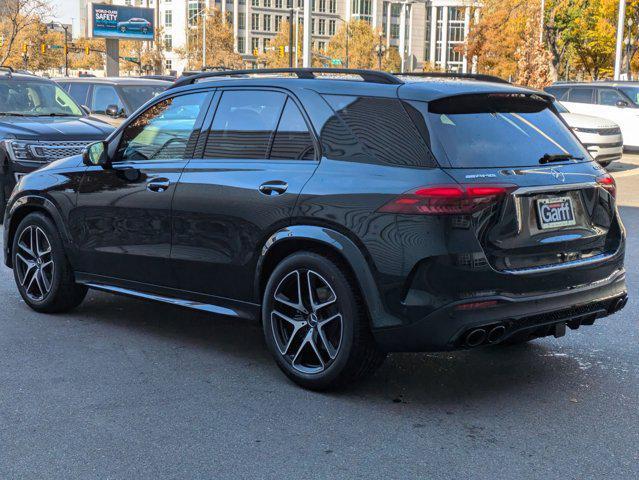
[622, 104]
[95, 154]
[113, 111]
[85, 109]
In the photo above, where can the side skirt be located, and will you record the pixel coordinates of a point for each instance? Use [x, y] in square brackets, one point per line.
[181, 298]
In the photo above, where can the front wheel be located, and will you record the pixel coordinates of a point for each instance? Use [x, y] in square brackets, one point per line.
[41, 269]
[315, 323]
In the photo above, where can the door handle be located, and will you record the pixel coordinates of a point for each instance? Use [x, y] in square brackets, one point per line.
[276, 187]
[158, 185]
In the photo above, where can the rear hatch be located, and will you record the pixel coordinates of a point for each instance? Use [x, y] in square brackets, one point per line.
[557, 209]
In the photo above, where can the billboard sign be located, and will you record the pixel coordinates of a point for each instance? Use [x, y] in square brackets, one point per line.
[120, 21]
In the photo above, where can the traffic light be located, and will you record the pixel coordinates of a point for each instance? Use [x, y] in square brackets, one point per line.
[256, 52]
[43, 48]
[281, 49]
[87, 50]
[24, 48]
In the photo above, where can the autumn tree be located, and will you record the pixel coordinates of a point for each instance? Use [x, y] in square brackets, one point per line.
[592, 38]
[16, 18]
[219, 42]
[277, 55]
[533, 59]
[500, 31]
[79, 60]
[362, 43]
[151, 54]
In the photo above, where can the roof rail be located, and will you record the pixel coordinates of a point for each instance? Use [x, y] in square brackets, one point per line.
[468, 76]
[372, 76]
[7, 69]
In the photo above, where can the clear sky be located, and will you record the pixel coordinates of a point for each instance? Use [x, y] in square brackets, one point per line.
[66, 10]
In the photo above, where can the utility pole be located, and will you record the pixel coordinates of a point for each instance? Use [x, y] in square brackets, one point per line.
[348, 34]
[290, 38]
[306, 46]
[620, 24]
[204, 37]
[542, 22]
[381, 48]
[66, 50]
[297, 34]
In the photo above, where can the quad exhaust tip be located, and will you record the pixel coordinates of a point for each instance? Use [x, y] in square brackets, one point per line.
[479, 336]
[476, 337]
[496, 334]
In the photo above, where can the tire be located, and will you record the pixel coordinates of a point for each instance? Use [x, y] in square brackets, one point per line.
[39, 260]
[324, 343]
[3, 202]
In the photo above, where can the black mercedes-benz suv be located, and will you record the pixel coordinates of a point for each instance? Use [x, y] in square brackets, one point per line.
[354, 212]
[39, 123]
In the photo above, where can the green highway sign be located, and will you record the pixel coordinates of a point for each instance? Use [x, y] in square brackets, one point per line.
[336, 61]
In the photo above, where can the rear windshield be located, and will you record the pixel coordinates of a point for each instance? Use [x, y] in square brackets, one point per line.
[498, 130]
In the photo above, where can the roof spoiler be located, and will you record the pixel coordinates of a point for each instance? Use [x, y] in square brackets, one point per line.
[463, 76]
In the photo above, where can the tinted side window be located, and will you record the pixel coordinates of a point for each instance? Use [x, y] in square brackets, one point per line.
[79, 91]
[610, 97]
[292, 141]
[244, 123]
[580, 95]
[165, 130]
[384, 127]
[558, 92]
[103, 96]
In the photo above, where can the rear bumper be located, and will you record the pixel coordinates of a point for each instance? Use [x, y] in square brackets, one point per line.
[448, 327]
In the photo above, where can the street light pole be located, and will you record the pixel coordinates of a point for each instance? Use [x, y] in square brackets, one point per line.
[290, 38]
[618, 51]
[542, 21]
[306, 40]
[204, 16]
[66, 50]
[348, 34]
[380, 52]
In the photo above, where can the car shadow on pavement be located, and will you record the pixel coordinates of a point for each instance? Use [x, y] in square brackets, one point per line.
[438, 379]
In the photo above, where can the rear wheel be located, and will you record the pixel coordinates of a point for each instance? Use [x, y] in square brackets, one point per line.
[41, 269]
[315, 323]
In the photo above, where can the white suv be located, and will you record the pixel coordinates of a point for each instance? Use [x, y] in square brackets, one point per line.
[614, 101]
[602, 138]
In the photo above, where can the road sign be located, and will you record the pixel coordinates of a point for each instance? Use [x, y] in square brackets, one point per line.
[336, 61]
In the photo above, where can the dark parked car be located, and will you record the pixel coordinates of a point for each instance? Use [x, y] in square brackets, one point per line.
[113, 99]
[39, 123]
[354, 218]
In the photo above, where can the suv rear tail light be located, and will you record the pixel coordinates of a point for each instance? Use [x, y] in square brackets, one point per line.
[608, 183]
[447, 199]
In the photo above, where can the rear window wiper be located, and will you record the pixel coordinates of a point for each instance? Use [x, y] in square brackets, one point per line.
[558, 157]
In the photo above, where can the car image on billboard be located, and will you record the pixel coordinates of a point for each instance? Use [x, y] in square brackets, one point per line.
[118, 21]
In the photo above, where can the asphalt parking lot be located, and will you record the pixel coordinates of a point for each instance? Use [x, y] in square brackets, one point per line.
[125, 389]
